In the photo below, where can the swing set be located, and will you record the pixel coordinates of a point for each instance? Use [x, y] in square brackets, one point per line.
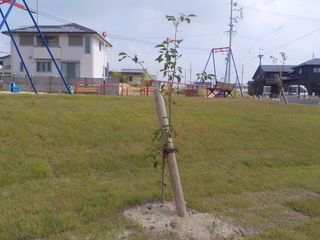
[4, 22]
[215, 83]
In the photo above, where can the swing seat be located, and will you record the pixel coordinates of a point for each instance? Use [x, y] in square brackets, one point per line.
[221, 89]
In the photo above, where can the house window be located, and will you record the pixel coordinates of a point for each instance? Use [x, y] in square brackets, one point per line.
[21, 67]
[43, 66]
[130, 79]
[105, 72]
[87, 44]
[52, 41]
[316, 70]
[271, 75]
[70, 69]
[100, 46]
[26, 40]
[75, 40]
[300, 71]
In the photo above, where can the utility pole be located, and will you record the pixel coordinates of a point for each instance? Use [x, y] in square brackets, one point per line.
[233, 6]
[231, 24]
[230, 40]
[242, 75]
[190, 72]
[38, 12]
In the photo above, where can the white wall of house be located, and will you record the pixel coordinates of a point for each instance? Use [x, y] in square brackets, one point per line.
[27, 53]
[91, 64]
[98, 57]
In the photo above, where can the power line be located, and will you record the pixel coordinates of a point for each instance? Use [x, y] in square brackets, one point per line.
[276, 31]
[281, 14]
[294, 40]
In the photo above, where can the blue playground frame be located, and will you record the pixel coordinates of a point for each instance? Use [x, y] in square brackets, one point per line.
[4, 22]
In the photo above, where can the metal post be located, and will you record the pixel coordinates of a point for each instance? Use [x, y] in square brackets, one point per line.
[235, 68]
[214, 68]
[7, 14]
[19, 53]
[230, 41]
[205, 68]
[46, 44]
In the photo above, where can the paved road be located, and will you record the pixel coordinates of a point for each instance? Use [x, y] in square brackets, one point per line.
[310, 100]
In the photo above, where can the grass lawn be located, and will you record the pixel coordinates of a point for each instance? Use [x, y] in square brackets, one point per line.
[70, 164]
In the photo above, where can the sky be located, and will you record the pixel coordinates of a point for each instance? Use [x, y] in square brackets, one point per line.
[261, 27]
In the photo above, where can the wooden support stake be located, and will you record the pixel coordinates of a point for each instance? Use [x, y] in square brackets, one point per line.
[171, 157]
[284, 95]
[281, 89]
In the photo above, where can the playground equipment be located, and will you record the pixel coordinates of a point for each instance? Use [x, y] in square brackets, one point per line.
[14, 88]
[97, 88]
[190, 91]
[127, 90]
[228, 66]
[4, 22]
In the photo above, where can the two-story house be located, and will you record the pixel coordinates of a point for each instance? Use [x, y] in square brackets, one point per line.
[265, 75]
[307, 74]
[79, 51]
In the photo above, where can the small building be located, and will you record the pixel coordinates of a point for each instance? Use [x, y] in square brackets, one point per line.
[5, 66]
[307, 74]
[134, 76]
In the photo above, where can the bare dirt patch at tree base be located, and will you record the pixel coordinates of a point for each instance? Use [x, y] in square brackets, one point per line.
[159, 219]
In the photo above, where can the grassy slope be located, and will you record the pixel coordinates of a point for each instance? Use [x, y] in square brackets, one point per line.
[69, 164]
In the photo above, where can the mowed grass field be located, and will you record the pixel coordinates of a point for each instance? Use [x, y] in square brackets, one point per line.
[69, 165]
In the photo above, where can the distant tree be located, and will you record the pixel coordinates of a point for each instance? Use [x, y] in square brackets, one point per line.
[122, 78]
[145, 78]
[278, 78]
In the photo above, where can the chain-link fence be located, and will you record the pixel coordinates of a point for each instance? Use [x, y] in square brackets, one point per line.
[54, 84]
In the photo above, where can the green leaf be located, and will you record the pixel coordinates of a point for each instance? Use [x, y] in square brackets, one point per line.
[165, 67]
[170, 18]
[158, 59]
[135, 59]
[173, 51]
[160, 46]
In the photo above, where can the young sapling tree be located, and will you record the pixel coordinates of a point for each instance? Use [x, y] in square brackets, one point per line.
[279, 77]
[169, 56]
